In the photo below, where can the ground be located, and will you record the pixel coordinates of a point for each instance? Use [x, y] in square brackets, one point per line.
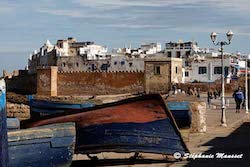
[233, 139]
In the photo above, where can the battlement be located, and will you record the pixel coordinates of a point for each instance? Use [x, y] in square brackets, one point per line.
[100, 71]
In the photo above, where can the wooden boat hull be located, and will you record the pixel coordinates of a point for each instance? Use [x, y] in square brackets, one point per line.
[51, 145]
[3, 126]
[181, 113]
[43, 107]
[140, 124]
[151, 137]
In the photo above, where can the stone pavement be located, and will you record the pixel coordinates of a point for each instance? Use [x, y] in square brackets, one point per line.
[234, 139]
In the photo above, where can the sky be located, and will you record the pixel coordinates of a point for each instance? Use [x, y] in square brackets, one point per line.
[26, 25]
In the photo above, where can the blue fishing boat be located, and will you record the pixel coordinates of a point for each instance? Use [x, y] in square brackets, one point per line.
[51, 145]
[140, 124]
[44, 107]
[181, 113]
[3, 126]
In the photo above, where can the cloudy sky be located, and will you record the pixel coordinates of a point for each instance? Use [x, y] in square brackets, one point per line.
[25, 25]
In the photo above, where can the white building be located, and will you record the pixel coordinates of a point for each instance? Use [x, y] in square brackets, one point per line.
[141, 52]
[244, 59]
[151, 48]
[180, 49]
[94, 51]
[208, 69]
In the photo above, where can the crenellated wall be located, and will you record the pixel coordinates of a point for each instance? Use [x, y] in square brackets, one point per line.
[97, 83]
[52, 82]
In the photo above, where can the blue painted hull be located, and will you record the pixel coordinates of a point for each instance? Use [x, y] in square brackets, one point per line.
[3, 126]
[152, 137]
[181, 113]
[43, 107]
[141, 124]
[51, 145]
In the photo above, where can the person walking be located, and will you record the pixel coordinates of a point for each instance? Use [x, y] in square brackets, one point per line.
[215, 94]
[238, 97]
[219, 93]
[209, 98]
[199, 92]
[195, 91]
[174, 88]
[243, 103]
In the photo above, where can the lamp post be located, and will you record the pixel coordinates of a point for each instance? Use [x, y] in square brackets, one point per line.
[221, 44]
[246, 84]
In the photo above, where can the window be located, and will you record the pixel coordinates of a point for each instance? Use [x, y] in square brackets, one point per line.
[93, 67]
[157, 70]
[77, 64]
[169, 54]
[122, 62]
[176, 70]
[178, 54]
[187, 63]
[104, 67]
[186, 74]
[188, 53]
[130, 64]
[202, 70]
[217, 70]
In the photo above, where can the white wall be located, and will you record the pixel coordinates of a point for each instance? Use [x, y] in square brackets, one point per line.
[93, 50]
[210, 64]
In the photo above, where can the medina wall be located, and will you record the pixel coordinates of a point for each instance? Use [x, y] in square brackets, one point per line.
[21, 83]
[99, 83]
[51, 82]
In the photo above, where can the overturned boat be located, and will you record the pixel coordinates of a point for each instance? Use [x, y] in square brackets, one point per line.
[141, 124]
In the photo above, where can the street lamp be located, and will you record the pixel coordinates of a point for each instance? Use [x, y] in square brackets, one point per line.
[221, 44]
[246, 84]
